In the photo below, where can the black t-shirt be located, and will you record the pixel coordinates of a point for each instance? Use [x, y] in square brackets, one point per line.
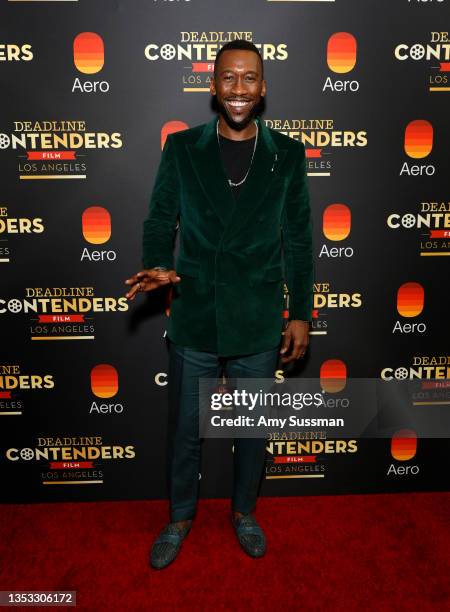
[236, 156]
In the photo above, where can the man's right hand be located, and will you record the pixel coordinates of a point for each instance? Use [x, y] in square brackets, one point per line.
[146, 280]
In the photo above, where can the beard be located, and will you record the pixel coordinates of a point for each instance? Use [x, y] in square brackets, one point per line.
[238, 125]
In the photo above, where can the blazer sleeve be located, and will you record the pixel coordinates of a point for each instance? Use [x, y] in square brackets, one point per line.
[297, 242]
[160, 225]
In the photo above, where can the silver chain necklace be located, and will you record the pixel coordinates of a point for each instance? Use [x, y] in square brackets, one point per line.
[230, 182]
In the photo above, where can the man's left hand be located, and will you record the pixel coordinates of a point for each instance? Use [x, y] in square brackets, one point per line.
[296, 339]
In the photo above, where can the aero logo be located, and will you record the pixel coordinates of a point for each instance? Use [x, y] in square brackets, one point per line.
[104, 380]
[418, 138]
[341, 52]
[88, 52]
[96, 225]
[410, 299]
[404, 444]
[169, 128]
[337, 220]
[333, 375]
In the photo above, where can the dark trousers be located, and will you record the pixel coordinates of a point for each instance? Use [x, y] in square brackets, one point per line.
[186, 366]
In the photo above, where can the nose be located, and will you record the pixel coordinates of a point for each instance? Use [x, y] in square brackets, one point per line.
[238, 86]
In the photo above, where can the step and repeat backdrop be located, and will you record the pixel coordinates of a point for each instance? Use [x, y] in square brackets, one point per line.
[90, 89]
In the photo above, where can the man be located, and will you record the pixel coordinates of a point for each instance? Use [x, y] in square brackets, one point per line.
[239, 191]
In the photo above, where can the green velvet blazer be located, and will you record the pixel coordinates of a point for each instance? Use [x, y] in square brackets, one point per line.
[233, 256]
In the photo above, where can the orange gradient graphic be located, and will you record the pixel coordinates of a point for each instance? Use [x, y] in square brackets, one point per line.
[88, 52]
[333, 375]
[341, 52]
[404, 444]
[337, 220]
[169, 128]
[104, 380]
[410, 299]
[418, 138]
[96, 225]
[169, 297]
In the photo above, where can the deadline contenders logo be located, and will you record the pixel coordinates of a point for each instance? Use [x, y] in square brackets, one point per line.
[424, 367]
[434, 53]
[70, 460]
[196, 51]
[325, 301]
[14, 384]
[10, 52]
[430, 223]
[62, 312]
[11, 226]
[321, 140]
[55, 149]
[303, 454]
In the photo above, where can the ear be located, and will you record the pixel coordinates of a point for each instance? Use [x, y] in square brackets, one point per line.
[263, 88]
[212, 87]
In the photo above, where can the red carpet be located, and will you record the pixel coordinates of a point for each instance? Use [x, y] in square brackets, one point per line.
[351, 552]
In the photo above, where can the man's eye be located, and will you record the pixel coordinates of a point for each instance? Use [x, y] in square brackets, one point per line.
[227, 78]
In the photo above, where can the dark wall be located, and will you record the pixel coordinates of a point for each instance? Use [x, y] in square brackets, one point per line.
[51, 397]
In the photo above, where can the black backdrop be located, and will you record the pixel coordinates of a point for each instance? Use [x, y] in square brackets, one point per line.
[42, 82]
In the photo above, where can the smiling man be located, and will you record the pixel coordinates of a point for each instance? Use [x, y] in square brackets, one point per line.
[239, 192]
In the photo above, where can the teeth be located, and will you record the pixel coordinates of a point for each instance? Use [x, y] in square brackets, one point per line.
[237, 103]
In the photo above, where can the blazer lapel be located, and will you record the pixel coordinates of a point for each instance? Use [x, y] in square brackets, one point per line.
[208, 167]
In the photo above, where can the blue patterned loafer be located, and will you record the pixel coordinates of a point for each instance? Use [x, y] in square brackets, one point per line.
[167, 545]
[250, 535]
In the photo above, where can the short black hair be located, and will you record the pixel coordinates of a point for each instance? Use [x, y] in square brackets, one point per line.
[246, 45]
